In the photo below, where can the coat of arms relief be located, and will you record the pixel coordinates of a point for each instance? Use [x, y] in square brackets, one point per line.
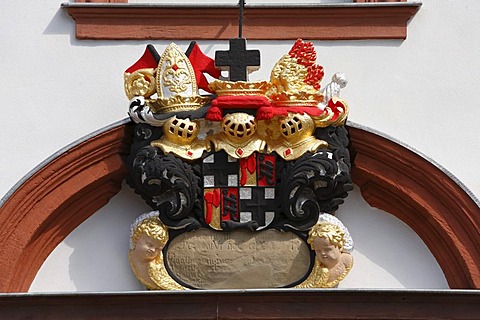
[243, 180]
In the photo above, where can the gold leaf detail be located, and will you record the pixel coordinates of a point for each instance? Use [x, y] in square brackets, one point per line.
[140, 83]
[239, 88]
[175, 73]
[177, 103]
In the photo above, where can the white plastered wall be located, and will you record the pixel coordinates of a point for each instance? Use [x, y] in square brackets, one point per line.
[422, 91]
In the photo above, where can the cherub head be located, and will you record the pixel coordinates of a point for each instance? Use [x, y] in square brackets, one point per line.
[148, 237]
[328, 241]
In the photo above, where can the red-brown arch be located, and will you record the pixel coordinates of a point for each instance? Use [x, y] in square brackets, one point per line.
[54, 200]
[399, 181]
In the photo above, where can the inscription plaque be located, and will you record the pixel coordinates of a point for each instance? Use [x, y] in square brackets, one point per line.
[240, 259]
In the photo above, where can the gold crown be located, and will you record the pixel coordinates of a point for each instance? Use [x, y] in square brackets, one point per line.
[239, 88]
[297, 99]
[177, 103]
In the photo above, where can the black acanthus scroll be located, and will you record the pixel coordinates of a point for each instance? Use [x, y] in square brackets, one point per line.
[316, 182]
[296, 191]
[335, 190]
[168, 185]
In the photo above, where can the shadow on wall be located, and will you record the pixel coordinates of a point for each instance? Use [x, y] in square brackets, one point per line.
[388, 253]
[61, 23]
[99, 261]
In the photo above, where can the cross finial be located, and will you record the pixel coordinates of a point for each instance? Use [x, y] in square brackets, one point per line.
[238, 60]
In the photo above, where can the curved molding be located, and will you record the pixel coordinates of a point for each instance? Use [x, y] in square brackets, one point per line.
[53, 201]
[401, 182]
[346, 21]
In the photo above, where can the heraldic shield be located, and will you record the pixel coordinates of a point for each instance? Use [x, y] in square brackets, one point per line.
[243, 157]
[239, 192]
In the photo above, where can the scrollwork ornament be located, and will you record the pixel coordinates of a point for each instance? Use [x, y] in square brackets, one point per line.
[143, 134]
[312, 184]
[332, 193]
[169, 185]
[299, 179]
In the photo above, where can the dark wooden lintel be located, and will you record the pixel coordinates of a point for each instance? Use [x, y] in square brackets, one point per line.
[248, 304]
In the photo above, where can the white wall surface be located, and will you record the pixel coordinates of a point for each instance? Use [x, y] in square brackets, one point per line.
[55, 89]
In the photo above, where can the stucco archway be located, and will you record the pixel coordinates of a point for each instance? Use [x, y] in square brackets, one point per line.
[64, 192]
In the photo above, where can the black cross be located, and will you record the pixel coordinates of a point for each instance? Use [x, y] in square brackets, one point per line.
[258, 205]
[238, 60]
[220, 169]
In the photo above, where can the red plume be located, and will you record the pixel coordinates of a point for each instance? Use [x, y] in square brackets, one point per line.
[304, 53]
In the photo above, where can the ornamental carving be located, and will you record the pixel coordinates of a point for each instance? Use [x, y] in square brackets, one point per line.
[243, 159]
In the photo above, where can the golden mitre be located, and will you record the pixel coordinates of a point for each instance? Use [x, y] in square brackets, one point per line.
[172, 80]
[176, 85]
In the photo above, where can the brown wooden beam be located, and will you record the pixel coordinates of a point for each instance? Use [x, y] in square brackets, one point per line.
[262, 22]
[254, 304]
